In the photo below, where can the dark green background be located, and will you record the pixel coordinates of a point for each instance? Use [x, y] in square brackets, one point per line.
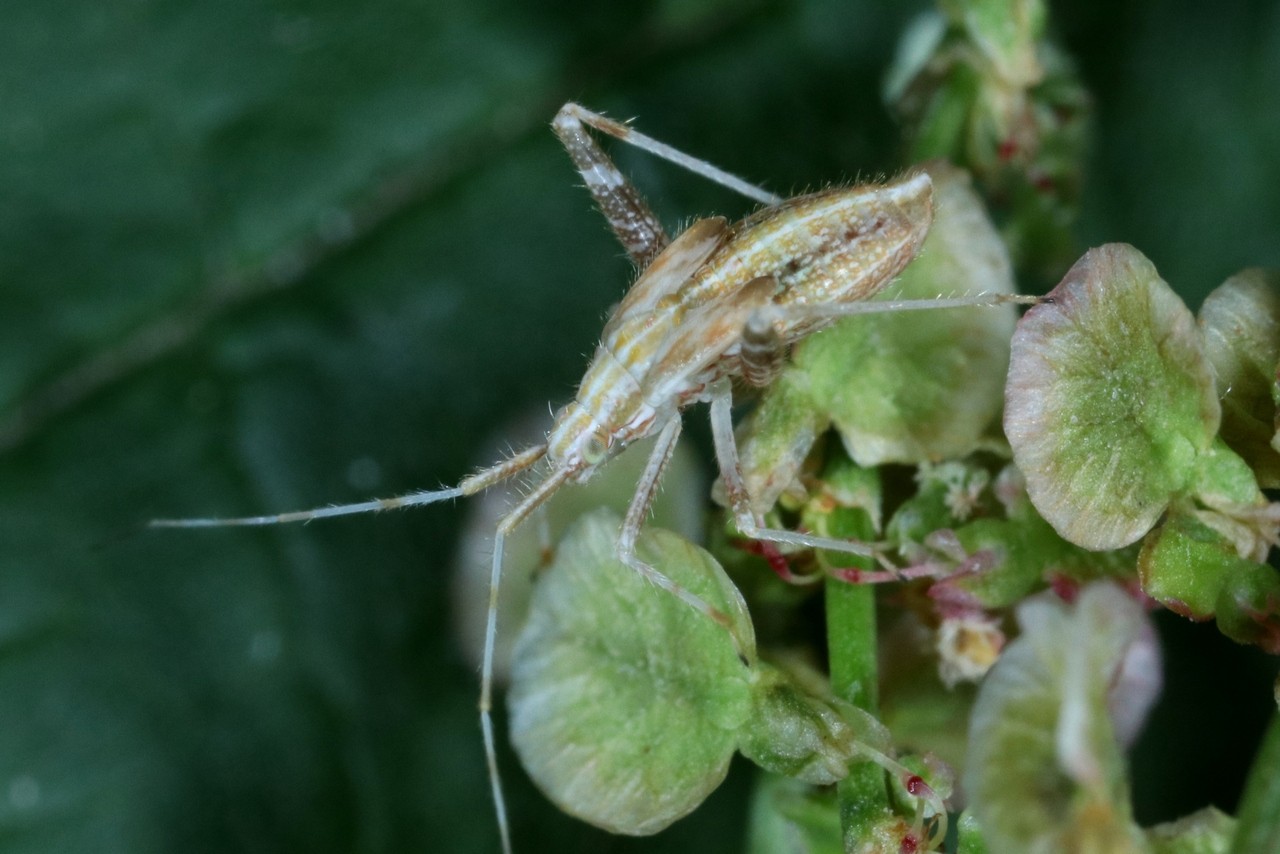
[261, 255]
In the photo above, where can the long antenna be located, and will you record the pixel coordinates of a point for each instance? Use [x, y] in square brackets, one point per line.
[477, 482]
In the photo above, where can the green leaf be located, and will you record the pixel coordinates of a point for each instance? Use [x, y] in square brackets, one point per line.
[1110, 401]
[1044, 771]
[626, 703]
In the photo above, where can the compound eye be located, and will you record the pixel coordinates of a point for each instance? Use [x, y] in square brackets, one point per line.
[594, 449]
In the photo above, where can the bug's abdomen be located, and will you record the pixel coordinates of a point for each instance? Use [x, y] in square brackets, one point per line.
[835, 246]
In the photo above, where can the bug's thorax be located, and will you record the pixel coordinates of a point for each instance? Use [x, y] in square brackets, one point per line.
[607, 414]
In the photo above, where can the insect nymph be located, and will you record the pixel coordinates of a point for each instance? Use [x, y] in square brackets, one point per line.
[720, 302]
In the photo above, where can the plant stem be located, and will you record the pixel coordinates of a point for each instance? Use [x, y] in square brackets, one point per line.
[851, 642]
[851, 645]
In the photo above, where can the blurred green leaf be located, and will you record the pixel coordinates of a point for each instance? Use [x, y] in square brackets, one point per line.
[1044, 770]
[269, 256]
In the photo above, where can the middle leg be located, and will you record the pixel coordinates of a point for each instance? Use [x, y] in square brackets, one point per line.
[749, 524]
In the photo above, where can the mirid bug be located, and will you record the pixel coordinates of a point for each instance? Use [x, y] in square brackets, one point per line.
[718, 302]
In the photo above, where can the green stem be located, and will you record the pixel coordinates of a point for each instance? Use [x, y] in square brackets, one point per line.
[851, 642]
[851, 645]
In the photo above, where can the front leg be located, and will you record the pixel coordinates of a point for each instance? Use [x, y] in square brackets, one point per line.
[646, 489]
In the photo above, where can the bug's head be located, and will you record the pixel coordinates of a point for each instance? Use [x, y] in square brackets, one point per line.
[576, 442]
